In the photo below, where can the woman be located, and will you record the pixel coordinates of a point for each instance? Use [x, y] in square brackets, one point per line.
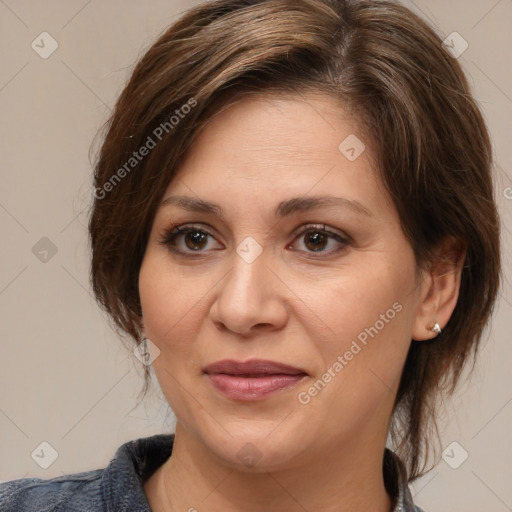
[284, 218]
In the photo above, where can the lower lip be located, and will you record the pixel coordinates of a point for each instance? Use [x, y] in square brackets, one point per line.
[252, 388]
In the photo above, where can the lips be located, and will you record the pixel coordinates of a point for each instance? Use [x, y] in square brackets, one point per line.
[252, 367]
[252, 380]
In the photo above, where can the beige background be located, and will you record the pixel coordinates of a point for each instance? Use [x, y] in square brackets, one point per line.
[65, 378]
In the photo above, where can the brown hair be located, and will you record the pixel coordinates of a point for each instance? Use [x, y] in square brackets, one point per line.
[381, 61]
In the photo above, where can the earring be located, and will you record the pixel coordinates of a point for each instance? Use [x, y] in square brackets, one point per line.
[437, 329]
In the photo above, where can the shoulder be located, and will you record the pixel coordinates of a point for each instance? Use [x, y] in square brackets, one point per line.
[55, 494]
[117, 487]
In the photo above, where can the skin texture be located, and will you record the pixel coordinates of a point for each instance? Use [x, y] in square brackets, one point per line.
[292, 304]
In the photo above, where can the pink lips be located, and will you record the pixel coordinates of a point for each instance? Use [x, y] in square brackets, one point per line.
[252, 380]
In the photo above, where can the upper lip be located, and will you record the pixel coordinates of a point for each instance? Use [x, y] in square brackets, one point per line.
[252, 367]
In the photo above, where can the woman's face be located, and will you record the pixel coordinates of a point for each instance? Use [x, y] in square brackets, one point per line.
[328, 287]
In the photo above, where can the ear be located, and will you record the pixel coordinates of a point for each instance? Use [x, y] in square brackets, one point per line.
[439, 289]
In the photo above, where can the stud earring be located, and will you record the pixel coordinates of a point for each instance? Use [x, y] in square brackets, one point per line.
[437, 329]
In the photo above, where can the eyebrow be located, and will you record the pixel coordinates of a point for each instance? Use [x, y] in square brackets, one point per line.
[285, 208]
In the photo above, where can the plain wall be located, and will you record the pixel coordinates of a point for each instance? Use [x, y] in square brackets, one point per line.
[65, 377]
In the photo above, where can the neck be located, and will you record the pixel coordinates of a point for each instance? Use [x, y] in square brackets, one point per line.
[338, 480]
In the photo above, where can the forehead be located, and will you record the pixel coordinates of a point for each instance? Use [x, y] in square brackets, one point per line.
[271, 145]
[283, 120]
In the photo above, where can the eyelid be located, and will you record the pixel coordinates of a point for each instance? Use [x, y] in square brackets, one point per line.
[309, 226]
[177, 229]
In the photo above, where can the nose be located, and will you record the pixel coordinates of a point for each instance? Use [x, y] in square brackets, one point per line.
[250, 298]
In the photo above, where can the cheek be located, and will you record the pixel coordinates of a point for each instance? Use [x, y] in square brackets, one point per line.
[168, 300]
[174, 307]
[156, 301]
[360, 368]
[363, 305]
[369, 318]
[171, 310]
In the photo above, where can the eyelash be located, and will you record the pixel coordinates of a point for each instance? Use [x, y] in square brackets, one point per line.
[170, 234]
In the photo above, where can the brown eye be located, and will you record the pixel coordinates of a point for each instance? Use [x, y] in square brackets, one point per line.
[187, 240]
[195, 240]
[316, 241]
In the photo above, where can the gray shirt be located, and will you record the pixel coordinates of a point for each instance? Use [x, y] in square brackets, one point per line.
[119, 486]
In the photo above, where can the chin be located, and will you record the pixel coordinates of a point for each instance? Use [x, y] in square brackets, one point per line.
[255, 448]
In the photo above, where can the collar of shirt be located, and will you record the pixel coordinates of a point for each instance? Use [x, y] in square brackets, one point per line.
[119, 487]
[143, 456]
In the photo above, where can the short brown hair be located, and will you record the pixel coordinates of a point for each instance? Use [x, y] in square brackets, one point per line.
[379, 60]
